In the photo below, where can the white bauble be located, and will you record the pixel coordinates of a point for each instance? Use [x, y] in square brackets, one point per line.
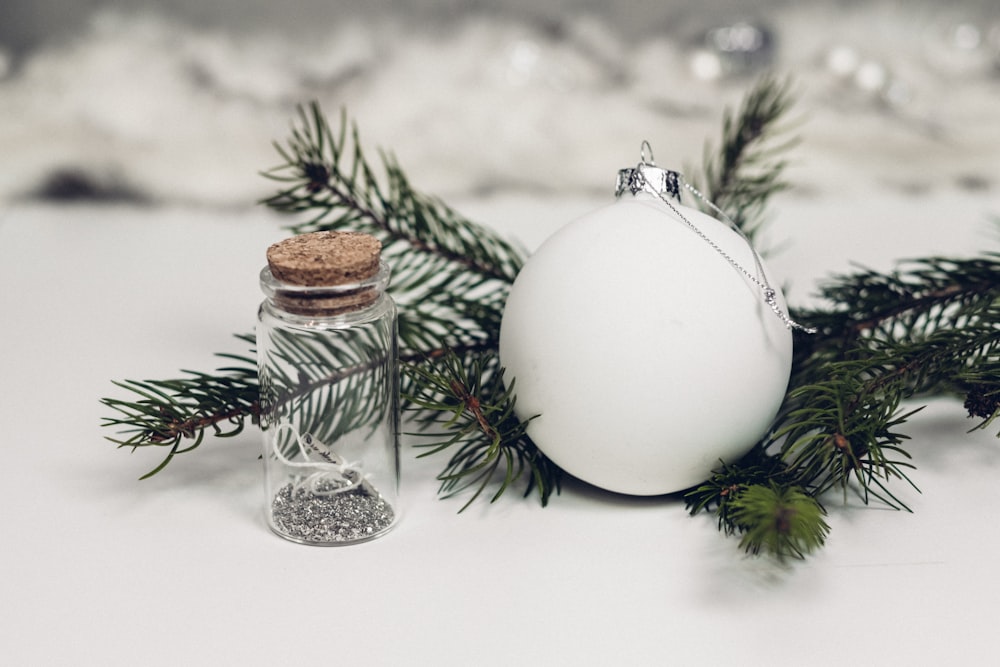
[648, 356]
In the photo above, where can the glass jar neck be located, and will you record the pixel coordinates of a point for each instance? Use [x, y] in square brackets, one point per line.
[325, 300]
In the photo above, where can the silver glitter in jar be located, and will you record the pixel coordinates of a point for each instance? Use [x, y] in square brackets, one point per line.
[304, 516]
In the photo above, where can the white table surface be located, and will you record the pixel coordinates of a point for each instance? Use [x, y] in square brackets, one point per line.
[103, 569]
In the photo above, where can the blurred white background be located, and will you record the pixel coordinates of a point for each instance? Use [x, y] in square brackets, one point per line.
[178, 100]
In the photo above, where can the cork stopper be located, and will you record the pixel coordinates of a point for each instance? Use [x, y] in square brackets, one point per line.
[325, 273]
[321, 259]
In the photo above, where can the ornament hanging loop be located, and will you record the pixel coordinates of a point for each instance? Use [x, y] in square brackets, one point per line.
[643, 147]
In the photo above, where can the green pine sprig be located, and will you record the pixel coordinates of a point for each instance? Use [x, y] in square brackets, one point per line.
[463, 406]
[784, 521]
[930, 327]
[746, 170]
[176, 414]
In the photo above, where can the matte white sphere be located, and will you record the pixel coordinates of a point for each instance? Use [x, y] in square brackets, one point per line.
[647, 355]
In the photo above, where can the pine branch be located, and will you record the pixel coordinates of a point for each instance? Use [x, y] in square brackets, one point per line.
[471, 414]
[841, 430]
[928, 328]
[784, 521]
[742, 175]
[920, 295]
[889, 338]
[329, 177]
[933, 320]
[177, 413]
[729, 480]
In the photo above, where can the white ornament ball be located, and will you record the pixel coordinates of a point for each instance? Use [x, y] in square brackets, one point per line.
[648, 356]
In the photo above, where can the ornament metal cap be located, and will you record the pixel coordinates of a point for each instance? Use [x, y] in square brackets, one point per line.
[647, 177]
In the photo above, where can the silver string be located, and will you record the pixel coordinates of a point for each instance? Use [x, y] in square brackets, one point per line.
[759, 277]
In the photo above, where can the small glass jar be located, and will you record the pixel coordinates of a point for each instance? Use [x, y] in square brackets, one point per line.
[329, 382]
